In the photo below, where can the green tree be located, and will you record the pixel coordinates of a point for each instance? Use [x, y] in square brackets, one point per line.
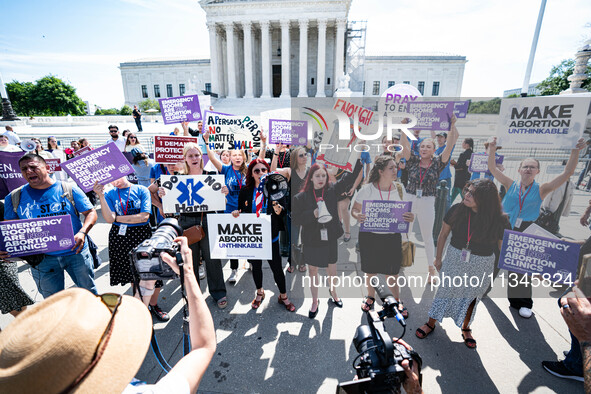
[51, 96]
[107, 111]
[125, 110]
[20, 94]
[557, 81]
[148, 104]
[485, 107]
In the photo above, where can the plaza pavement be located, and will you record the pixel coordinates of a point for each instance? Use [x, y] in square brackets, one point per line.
[271, 350]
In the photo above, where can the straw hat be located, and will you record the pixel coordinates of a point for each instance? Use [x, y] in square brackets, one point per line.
[49, 345]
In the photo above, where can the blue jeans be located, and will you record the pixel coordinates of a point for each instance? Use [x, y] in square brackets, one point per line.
[49, 274]
[574, 358]
[449, 187]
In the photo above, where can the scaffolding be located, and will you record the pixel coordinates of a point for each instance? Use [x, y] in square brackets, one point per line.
[356, 32]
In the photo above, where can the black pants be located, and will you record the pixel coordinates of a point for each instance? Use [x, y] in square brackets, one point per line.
[276, 267]
[138, 123]
[519, 295]
[234, 264]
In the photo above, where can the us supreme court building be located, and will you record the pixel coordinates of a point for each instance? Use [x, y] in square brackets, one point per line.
[265, 49]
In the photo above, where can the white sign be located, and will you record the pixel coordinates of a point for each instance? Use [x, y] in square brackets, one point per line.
[193, 193]
[542, 122]
[231, 132]
[244, 237]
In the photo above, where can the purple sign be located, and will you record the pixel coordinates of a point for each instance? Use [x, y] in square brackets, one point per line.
[385, 216]
[102, 165]
[289, 132]
[533, 254]
[479, 162]
[10, 172]
[436, 115]
[33, 236]
[180, 109]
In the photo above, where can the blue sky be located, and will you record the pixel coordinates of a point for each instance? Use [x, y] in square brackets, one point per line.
[83, 42]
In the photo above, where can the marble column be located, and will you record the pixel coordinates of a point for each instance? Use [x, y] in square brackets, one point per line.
[285, 60]
[221, 54]
[303, 58]
[248, 71]
[340, 52]
[321, 69]
[266, 58]
[231, 60]
[215, 86]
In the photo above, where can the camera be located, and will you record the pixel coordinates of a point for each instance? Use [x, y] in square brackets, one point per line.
[146, 257]
[379, 363]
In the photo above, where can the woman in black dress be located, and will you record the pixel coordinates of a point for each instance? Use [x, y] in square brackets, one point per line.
[320, 239]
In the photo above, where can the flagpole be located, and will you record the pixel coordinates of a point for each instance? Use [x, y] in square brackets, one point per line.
[532, 52]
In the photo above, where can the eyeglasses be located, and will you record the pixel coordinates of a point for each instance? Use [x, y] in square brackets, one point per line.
[135, 138]
[302, 155]
[259, 170]
[112, 301]
[113, 131]
[529, 168]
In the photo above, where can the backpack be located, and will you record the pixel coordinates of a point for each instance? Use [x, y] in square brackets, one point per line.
[15, 198]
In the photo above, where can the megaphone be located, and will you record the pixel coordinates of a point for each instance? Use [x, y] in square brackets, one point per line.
[275, 187]
[28, 145]
[323, 214]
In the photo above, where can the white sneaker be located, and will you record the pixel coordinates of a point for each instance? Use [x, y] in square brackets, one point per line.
[232, 278]
[201, 272]
[525, 312]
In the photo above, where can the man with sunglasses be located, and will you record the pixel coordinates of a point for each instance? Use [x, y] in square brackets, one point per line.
[85, 343]
[114, 133]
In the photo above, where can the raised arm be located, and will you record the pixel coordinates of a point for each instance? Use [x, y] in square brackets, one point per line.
[452, 138]
[569, 170]
[275, 157]
[492, 165]
[405, 142]
[216, 163]
[263, 149]
[185, 129]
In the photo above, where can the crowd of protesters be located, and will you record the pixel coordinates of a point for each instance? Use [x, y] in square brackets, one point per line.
[314, 216]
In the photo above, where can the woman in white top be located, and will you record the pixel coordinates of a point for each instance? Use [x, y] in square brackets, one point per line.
[6, 147]
[381, 252]
[132, 142]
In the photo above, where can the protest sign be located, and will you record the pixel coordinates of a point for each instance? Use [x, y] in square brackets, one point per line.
[193, 193]
[289, 132]
[397, 97]
[542, 122]
[385, 216]
[102, 165]
[33, 236]
[169, 149]
[436, 115]
[81, 151]
[10, 172]
[180, 109]
[227, 132]
[479, 162]
[534, 254]
[244, 237]
[54, 164]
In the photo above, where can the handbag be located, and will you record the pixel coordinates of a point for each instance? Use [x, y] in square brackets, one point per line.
[408, 253]
[195, 233]
[548, 220]
[34, 259]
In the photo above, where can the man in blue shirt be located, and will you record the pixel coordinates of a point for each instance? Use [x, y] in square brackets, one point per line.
[43, 197]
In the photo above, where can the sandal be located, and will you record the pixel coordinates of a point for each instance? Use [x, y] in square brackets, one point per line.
[470, 342]
[290, 269]
[421, 334]
[302, 268]
[347, 238]
[366, 306]
[403, 311]
[290, 307]
[222, 302]
[257, 302]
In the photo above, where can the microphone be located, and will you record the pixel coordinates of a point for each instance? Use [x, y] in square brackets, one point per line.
[389, 303]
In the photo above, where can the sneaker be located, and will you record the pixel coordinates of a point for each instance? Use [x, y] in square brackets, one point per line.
[557, 368]
[232, 278]
[525, 312]
[201, 272]
[159, 313]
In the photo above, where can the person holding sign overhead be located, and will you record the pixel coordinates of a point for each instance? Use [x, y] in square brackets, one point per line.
[477, 225]
[252, 200]
[423, 175]
[381, 253]
[522, 203]
[235, 177]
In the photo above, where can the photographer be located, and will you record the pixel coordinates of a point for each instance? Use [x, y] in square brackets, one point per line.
[105, 352]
